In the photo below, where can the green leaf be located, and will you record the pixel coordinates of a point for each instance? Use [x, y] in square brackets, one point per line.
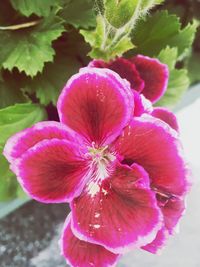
[169, 56]
[48, 85]
[178, 84]
[95, 38]
[103, 46]
[184, 38]
[118, 13]
[159, 30]
[8, 181]
[79, 13]
[122, 46]
[10, 91]
[20, 192]
[18, 117]
[194, 67]
[9, 187]
[28, 49]
[38, 7]
[178, 78]
[14, 119]
[70, 57]
[149, 4]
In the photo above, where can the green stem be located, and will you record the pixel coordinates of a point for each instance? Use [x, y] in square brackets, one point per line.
[126, 29]
[107, 31]
[20, 26]
[150, 4]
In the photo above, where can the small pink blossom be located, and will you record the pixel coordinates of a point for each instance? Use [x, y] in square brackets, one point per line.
[148, 79]
[146, 75]
[124, 175]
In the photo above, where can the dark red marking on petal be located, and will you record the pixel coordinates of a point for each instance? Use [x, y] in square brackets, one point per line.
[97, 104]
[156, 147]
[122, 213]
[52, 171]
[125, 69]
[22, 141]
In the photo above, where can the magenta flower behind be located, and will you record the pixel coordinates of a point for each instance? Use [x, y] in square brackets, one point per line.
[115, 159]
[148, 78]
[146, 75]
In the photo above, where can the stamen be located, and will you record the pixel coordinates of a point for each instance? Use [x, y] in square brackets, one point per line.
[93, 188]
[102, 164]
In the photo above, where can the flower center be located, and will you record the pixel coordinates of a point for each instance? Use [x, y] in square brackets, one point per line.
[101, 159]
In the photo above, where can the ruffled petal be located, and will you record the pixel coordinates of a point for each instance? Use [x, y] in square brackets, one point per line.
[52, 171]
[125, 69]
[22, 141]
[172, 210]
[98, 63]
[167, 116]
[154, 74]
[154, 145]
[122, 214]
[97, 104]
[79, 253]
[141, 104]
[158, 243]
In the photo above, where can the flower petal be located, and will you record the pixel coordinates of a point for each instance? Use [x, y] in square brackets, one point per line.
[122, 214]
[158, 243]
[167, 116]
[98, 63]
[125, 69]
[154, 74]
[141, 104]
[172, 210]
[22, 141]
[154, 145]
[83, 254]
[97, 104]
[52, 171]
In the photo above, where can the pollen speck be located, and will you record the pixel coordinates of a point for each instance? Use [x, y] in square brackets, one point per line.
[97, 215]
[93, 189]
[97, 226]
[104, 192]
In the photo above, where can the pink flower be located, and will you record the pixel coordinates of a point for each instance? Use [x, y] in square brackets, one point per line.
[146, 75]
[144, 106]
[148, 79]
[124, 175]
